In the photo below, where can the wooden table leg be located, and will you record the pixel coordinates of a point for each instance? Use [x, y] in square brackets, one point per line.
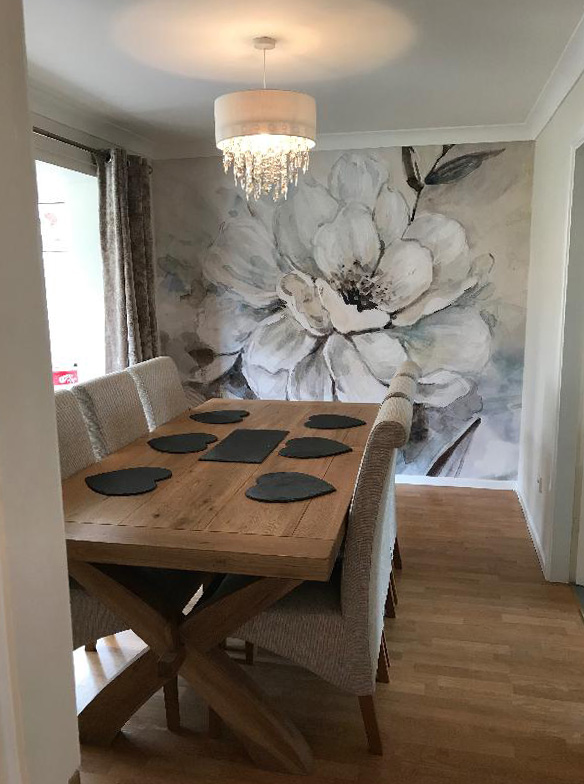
[102, 719]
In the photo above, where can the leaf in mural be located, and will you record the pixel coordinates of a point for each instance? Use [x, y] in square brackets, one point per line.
[459, 168]
[411, 169]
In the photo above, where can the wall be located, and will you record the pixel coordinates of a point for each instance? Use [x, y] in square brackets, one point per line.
[549, 428]
[325, 294]
[38, 728]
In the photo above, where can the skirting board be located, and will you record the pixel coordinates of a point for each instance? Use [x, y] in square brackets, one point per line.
[452, 481]
[533, 533]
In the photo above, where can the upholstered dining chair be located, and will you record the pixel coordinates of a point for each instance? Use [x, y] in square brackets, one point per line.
[160, 389]
[112, 410]
[90, 619]
[335, 629]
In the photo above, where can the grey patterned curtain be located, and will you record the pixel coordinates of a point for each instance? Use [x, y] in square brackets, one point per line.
[131, 331]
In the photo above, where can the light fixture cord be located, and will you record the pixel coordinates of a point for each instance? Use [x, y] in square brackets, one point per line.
[264, 69]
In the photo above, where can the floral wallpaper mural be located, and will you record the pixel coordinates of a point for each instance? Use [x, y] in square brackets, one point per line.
[377, 256]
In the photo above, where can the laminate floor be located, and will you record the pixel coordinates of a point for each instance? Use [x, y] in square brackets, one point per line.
[487, 673]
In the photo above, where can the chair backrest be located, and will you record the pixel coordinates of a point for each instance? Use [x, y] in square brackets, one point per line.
[112, 410]
[75, 450]
[160, 390]
[371, 531]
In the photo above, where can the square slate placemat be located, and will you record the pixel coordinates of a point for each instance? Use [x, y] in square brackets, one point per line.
[246, 446]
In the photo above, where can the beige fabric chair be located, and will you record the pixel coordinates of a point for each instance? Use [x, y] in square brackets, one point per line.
[335, 629]
[112, 411]
[160, 389]
[90, 619]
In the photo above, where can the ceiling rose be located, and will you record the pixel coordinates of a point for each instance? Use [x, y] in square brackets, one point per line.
[265, 135]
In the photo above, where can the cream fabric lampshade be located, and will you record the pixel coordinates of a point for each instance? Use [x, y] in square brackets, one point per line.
[274, 112]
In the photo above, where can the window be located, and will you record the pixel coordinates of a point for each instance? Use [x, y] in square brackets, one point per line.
[69, 217]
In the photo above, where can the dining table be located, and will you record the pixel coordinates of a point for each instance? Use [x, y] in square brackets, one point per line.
[146, 556]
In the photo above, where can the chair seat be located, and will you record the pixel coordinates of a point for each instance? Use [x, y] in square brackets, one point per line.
[90, 619]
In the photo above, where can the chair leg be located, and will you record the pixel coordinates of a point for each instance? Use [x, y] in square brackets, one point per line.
[367, 706]
[383, 662]
[215, 724]
[393, 588]
[171, 705]
[397, 556]
[389, 603]
[249, 653]
[91, 647]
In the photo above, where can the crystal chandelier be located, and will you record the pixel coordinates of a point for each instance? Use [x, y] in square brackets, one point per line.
[265, 135]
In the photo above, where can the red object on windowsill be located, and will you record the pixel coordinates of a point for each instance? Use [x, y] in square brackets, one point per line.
[64, 378]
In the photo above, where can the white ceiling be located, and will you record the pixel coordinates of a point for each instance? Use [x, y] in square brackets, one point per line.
[155, 66]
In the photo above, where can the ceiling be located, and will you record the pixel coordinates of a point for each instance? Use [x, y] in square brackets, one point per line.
[155, 66]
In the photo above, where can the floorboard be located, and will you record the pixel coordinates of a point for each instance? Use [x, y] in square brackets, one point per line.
[487, 673]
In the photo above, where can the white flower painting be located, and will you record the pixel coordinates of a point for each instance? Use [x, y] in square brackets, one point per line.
[323, 296]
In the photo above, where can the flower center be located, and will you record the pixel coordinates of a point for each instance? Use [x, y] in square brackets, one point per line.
[359, 288]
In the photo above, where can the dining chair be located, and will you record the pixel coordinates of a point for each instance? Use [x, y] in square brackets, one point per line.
[112, 410]
[160, 389]
[91, 619]
[336, 629]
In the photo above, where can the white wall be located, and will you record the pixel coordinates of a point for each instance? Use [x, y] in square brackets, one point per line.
[38, 733]
[547, 425]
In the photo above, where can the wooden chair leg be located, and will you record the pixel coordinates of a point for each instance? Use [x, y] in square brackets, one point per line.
[397, 556]
[389, 603]
[383, 662]
[393, 588]
[171, 705]
[367, 706]
[91, 647]
[249, 653]
[215, 724]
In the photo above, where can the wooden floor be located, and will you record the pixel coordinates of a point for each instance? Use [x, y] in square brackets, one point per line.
[487, 676]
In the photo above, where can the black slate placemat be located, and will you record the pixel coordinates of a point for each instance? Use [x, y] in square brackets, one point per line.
[127, 481]
[333, 421]
[182, 443]
[288, 486]
[246, 446]
[313, 447]
[223, 417]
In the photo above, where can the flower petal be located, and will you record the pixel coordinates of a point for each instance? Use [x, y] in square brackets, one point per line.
[300, 293]
[441, 388]
[446, 239]
[348, 318]
[454, 339]
[350, 238]
[357, 177]
[297, 220]
[392, 215]
[278, 343]
[265, 385]
[205, 374]
[353, 381]
[244, 260]
[381, 352]
[310, 379]
[432, 301]
[224, 323]
[405, 272]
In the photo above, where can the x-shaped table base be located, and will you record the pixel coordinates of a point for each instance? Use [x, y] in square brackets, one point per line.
[151, 604]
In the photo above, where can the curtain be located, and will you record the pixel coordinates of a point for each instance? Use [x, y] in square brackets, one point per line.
[131, 331]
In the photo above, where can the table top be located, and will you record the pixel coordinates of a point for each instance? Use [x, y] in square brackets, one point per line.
[200, 518]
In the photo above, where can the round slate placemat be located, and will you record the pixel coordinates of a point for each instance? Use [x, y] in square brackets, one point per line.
[182, 443]
[223, 417]
[287, 486]
[332, 421]
[313, 447]
[127, 481]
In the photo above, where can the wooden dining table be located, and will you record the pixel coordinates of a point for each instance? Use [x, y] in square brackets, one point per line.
[146, 556]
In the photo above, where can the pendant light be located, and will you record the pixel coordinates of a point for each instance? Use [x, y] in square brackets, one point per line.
[265, 135]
